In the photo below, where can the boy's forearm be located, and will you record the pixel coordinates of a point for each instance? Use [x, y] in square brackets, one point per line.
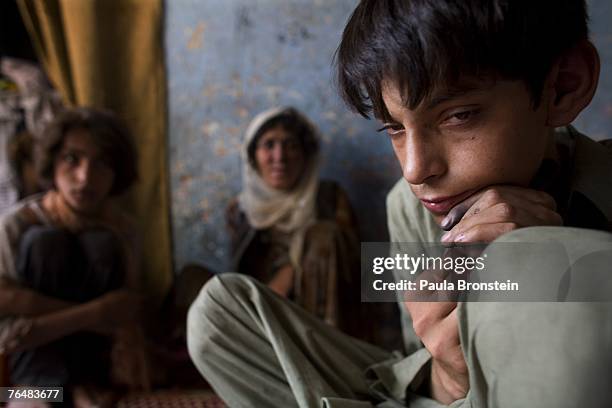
[19, 301]
[56, 325]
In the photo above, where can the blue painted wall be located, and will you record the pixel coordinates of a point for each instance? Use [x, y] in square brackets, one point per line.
[596, 120]
[229, 59]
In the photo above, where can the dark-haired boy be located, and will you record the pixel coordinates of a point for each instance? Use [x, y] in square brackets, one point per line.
[68, 259]
[476, 97]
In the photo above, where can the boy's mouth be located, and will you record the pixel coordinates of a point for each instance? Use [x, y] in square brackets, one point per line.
[442, 205]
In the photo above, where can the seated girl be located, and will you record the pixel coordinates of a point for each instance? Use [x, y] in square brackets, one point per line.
[289, 229]
[68, 262]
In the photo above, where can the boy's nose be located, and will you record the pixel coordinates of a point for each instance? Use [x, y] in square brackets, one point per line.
[422, 160]
[83, 172]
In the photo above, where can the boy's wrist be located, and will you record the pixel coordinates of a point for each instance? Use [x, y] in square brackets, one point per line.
[446, 387]
[11, 302]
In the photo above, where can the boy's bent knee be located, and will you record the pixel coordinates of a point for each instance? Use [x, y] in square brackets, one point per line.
[101, 246]
[47, 241]
[225, 288]
[215, 310]
[219, 299]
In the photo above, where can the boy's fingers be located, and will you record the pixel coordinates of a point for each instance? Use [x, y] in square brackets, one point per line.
[484, 232]
[512, 195]
[500, 219]
[458, 212]
[537, 196]
[508, 201]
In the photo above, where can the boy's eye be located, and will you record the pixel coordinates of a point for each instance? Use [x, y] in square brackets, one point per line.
[70, 158]
[393, 129]
[460, 117]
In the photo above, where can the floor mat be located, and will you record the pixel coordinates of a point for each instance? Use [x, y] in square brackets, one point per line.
[172, 399]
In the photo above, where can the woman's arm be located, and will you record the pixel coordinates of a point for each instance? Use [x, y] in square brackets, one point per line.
[345, 216]
[236, 225]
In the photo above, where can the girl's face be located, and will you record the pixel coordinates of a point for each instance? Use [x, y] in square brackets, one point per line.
[279, 157]
[82, 175]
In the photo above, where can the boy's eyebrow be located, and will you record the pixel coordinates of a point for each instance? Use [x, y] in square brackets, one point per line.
[72, 150]
[450, 94]
[77, 151]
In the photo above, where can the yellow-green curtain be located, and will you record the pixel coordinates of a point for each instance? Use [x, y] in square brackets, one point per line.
[109, 54]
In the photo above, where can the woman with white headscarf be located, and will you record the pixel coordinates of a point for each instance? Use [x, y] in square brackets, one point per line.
[289, 229]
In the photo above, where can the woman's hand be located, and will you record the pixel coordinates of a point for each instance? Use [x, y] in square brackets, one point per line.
[318, 251]
[282, 282]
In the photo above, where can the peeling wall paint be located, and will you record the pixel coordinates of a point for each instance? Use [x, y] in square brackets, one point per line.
[228, 60]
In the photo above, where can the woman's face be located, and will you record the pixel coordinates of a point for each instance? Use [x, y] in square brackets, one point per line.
[82, 175]
[280, 158]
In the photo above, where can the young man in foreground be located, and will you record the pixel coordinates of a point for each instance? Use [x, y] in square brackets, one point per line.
[475, 97]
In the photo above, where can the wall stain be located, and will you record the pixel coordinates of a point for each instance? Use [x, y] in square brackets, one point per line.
[210, 91]
[233, 130]
[242, 113]
[197, 37]
[210, 128]
[243, 19]
[220, 149]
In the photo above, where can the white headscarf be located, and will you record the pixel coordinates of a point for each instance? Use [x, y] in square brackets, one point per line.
[291, 211]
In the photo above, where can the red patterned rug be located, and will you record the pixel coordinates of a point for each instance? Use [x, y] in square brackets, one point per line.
[172, 399]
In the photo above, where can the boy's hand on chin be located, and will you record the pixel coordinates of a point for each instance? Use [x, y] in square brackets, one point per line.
[496, 210]
[482, 217]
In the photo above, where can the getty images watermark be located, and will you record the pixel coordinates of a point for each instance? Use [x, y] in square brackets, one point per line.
[496, 272]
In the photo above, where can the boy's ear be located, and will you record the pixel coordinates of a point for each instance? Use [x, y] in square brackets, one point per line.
[571, 84]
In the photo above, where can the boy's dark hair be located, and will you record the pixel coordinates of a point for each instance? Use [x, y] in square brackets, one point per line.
[293, 123]
[106, 131]
[425, 45]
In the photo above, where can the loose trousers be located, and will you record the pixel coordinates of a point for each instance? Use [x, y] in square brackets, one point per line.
[257, 349]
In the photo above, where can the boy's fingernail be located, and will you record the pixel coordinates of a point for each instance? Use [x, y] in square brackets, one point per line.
[445, 237]
[445, 222]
